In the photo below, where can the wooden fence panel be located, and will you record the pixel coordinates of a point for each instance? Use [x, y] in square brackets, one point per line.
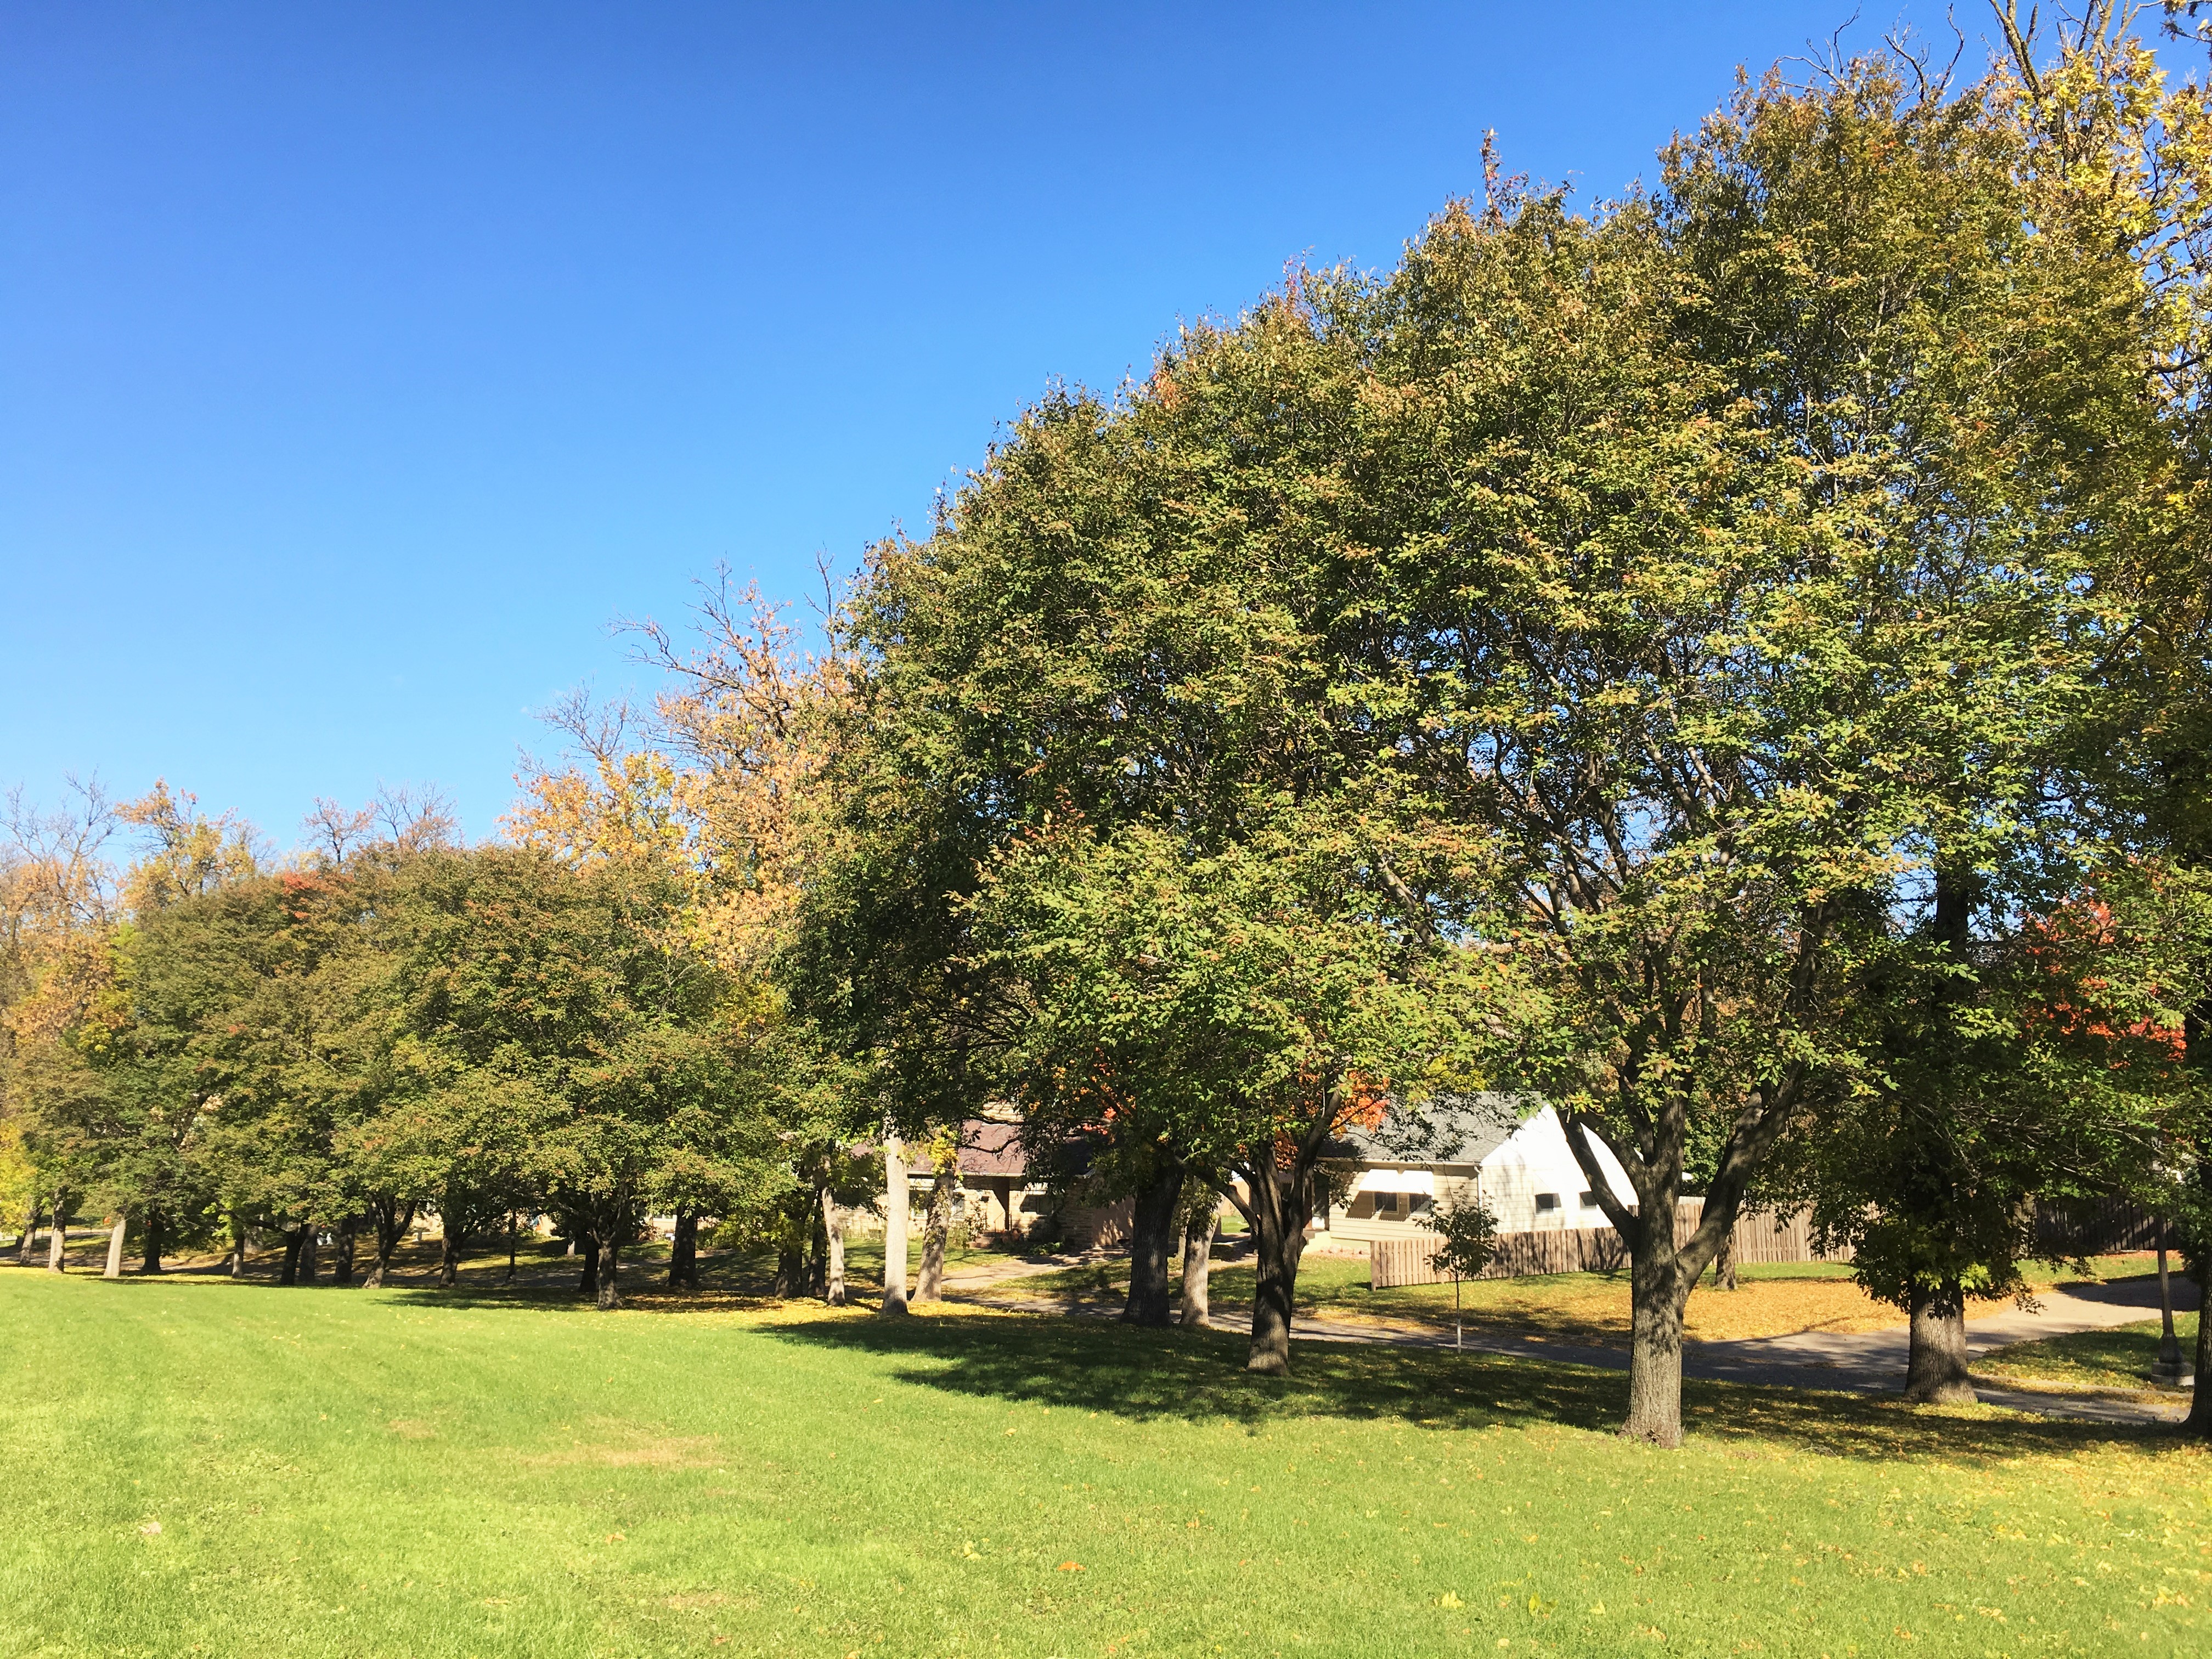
[2103, 1228]
[1760, 1237]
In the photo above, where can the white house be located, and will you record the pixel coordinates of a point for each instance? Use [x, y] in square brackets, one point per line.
[1473, 1146]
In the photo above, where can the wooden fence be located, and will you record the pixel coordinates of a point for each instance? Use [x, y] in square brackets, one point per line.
[2103, 1228]
[1759, 1238]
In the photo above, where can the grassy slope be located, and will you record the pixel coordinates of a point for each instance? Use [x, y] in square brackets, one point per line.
[397, 1472]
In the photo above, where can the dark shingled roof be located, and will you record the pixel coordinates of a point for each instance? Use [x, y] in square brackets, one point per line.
[987, 1148]
[1442, 1129]
[991, 1149]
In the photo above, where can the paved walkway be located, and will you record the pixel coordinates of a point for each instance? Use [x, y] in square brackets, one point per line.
[1863, 1362]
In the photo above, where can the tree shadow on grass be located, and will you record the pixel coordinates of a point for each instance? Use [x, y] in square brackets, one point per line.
[1195, 1376]
[1147, 1374]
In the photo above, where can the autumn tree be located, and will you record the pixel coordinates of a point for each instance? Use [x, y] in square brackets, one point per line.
[1240, 1008]
[113, 1081]
[2117, 153]
[558, 1029]
[58, 911]
[1748, 612]
[708, 791]
[1137, 634]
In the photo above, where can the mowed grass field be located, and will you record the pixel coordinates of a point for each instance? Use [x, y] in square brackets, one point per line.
[201, 1467]
[1772, 1299]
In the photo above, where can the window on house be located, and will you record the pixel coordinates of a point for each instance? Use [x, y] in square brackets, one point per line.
[1547, 1202]
[1420, 1204]
[1386, 1203]
[1589, 1200]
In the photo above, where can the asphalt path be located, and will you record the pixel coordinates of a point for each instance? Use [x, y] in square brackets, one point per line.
[1861, 1362]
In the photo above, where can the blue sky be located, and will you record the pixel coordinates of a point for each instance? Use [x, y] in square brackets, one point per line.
[360, 365]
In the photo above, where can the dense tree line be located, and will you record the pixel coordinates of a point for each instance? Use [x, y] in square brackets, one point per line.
[333, 1047]
[1728, 667]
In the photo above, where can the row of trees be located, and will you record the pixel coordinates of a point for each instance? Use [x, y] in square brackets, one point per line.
[388, 1026]
[1728, 667]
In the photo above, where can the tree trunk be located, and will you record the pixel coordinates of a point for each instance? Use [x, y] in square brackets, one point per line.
[291, 1272]
[944, 1189]
[310, 1236]
[1664, 1268]
[115, 1247]
[833, 1232]
[1152, 1213]
[610, 1262]
[894, 1195]
[2169, 1368]
[790, 1270]
[451, 1242]
[1724, 1263]
[1279, 1241]
[589, 1281]
[237, 1246]
[1656, 1294]
[683, 1252]
[2200, 1399]
[150, 1243]
[57, 1236]
[392, 1220]
[30, 1232]
[514, 1243]
[1936, 1368]
[342, 1265]
[1198, 1265]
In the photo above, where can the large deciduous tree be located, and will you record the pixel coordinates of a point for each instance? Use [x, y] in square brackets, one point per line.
[1749, 608]
[1226, 1015]
[564, 1009]
[1137, 648]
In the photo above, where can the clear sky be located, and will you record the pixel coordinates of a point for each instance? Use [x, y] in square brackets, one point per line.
[360, 364]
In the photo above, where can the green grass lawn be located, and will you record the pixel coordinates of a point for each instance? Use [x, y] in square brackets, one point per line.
[1585, 1307]
[199, 1467]
[1340, 1284]
[1774, 1299]
[2118, 1360]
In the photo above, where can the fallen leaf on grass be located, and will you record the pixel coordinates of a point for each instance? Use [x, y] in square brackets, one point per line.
[1069, 1566]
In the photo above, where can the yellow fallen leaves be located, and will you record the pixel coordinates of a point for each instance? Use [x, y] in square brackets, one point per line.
[1596, 1311]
